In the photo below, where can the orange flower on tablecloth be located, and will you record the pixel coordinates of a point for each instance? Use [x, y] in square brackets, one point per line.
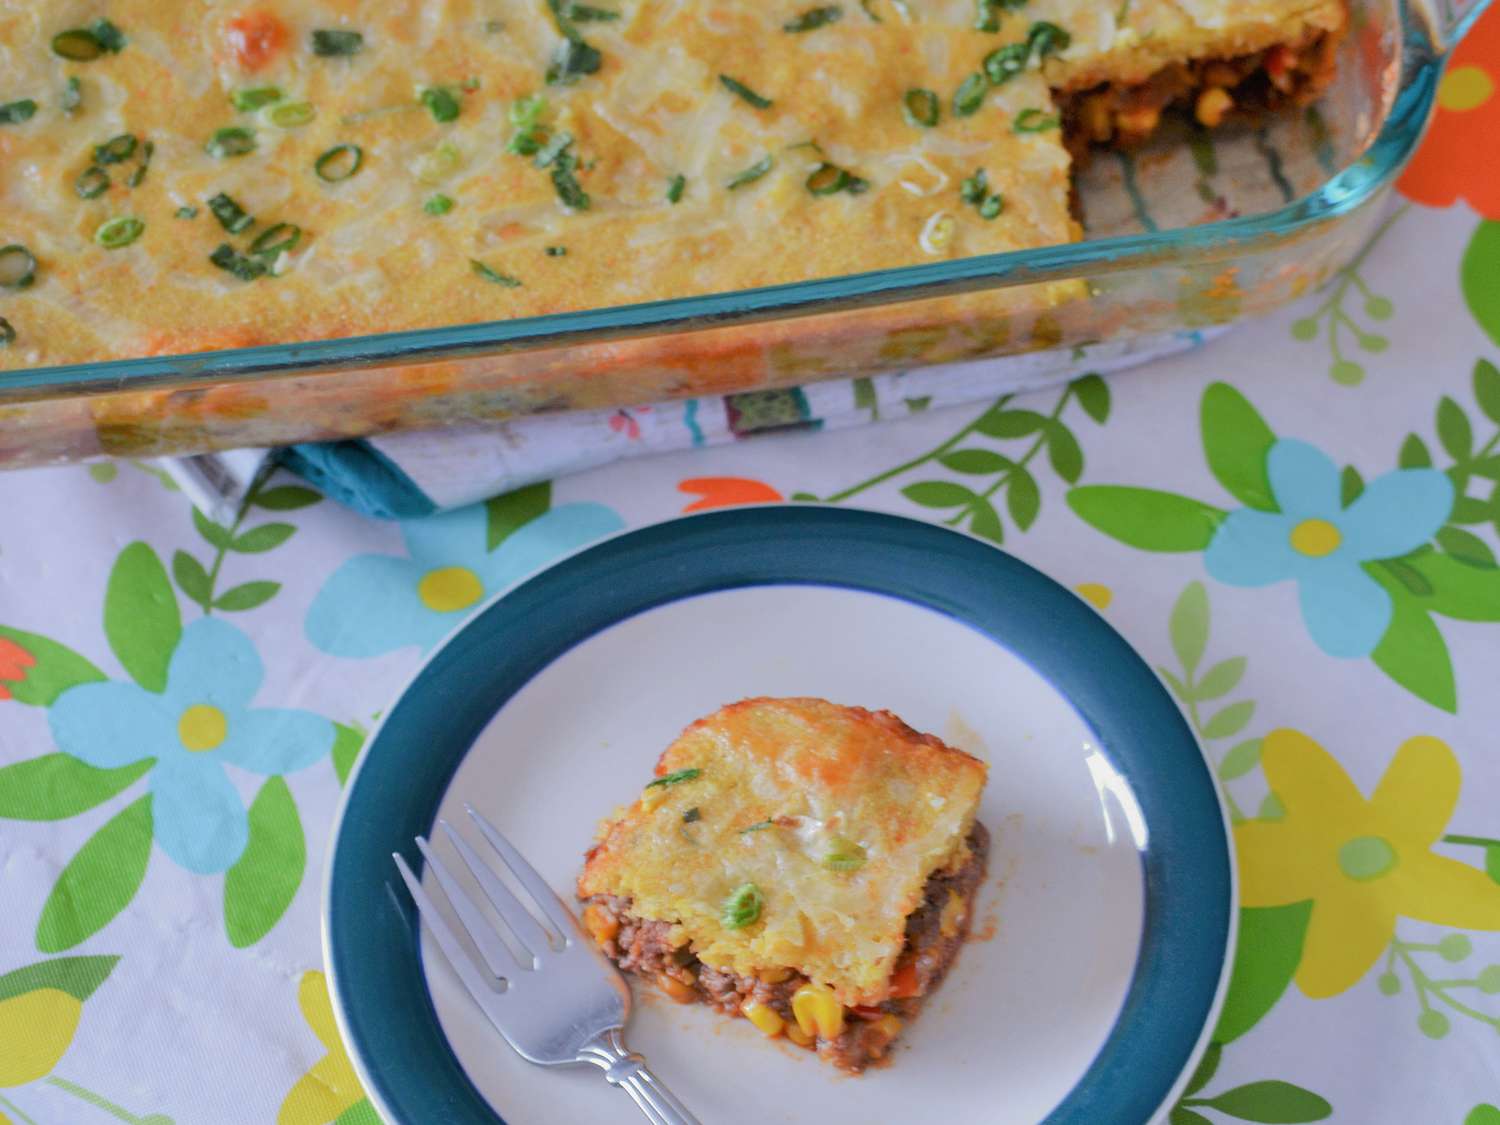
[14, 660]
[1456, 160]
[726, 492]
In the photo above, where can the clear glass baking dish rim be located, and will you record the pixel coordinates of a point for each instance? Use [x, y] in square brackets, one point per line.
[1426, 37]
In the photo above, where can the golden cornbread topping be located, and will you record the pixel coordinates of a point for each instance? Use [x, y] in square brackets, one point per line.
[792, 833]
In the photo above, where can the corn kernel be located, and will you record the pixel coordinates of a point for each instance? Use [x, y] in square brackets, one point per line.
[952, 916]
[818, 1010]
[676, 989]
[798, 1036]
[1212, 105]
[600, 923]
[889, 1026]
[764, 1017]
[774, 976]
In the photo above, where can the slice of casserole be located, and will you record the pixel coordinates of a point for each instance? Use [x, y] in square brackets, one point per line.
[809, 866]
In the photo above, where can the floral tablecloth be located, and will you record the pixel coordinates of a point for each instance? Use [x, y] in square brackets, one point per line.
[1297, 525]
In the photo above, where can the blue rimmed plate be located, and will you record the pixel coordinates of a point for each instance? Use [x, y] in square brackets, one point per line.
[1104, 928]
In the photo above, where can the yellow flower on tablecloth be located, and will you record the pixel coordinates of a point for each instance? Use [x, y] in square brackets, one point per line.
[330, 1089]
[36, 1028]
[1361, 861]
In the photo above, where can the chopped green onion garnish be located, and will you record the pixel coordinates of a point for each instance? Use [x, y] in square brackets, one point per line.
[494, 27]
[255, 97]
[92, 182]
[1003, 64]
[675, 188]
[7, 333]
[986, 13]
[758, 826]
[84, 44]
[585, 13]
[742, 907]
[735, 86]
[335, 43]
[992, 206]
[527, 110]
[232, 217]
[281, 238]
[233, 141]
[138, 177]
[108, 36]
[573, 60]
[921, 107]
[288, 115]
[17, 267]
[13, 113]
[557, 251]
[814, 18]
[1047, 39]
[676, 777]
[435, 166]
[554, 148]
[970, 95]
[568, 189]
[72, 96]
[230, 260]
[119, 232]
[116, 150]
[973, 188]
[339, 163]
[186, 213]
[844, 855]
[438, 204]
[1033, 120]
[752, 173]
[443, 105]
[829, 179]
[691, 815]
[870, 11]
[498, 278]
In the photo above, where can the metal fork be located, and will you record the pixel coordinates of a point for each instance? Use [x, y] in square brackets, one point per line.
[562, 1003]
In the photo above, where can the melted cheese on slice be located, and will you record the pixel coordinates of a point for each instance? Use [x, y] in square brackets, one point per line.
[825, 777]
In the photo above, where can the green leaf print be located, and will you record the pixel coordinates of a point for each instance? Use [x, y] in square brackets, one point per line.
[984, 522]
[1188, 626]
[1221, 679]
[1272, 1102]
[980, 462]
[266, 537]
[1231, 720]
[938, 494]
[79, 977]
[57, 669]
[56, 786]
[360, 1113]
[1466, 547]
[1206, 1069]
[1145, 518]
[1236, 441]
[1412, 651]
[99, 881]
[264, 880]
[1487, 389]
[287, 498]
[1414, 454]
[1267, 951]
[1064, 452]
[246, 596]
[1454, 430]
[1351, 485]
[1001, 423]
[141, 618]
[192, 579]
[1241, 759]
[509, 513]
[1023, 499]
[1485, 1114]
[1092, 393]
[1181, 1116]
[1479, 277]
[218, 536]
[347, 743]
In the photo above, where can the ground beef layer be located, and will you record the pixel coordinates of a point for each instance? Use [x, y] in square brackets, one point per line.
[1213, 90]
[935, 932]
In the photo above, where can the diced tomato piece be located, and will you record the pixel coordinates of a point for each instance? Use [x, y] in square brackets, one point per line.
[1279, 60]
[904, 981]
[255, 37]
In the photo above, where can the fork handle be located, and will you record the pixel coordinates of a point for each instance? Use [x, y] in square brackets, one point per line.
[627, 1070]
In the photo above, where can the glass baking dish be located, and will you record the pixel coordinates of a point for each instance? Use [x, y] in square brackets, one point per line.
[1190, 232]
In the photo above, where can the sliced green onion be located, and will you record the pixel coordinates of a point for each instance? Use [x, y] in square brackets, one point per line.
[335, 43]
[735, 86]
[574, 60]
[742, 907]
[138, 177]
[827, 179]
[7, 333]
[869, 10]
[970, 95]
[568, 189]
[119, 233]
[1046, 38]
[1004, 63]
[553, 149]
[676, 777]
[186, 213]
[585, 13]
[844, 855]
[91, 183]
[992, 206]
[277, 240]
[78, 44]
[438, 204]
[527, 110]
[1033, 120]
[232, 217]
[339, 163]
[232, 141]
[814, 18]
[973, 188]
[13, 113]
[921, 107]
[72, 96]
[985, 16]
[675, 188]
[116, 150]
[557, 251]
[442, 104]
[289, 115]
[109, 37]
[17, 267]
[758, 826]
[496, 276]
[751, 174]
[255, 97]
[227, 258]
[693, 814]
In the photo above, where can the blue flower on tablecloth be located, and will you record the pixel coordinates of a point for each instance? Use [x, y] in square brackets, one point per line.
[1322, 545]
[374, 604]
[200, 723]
